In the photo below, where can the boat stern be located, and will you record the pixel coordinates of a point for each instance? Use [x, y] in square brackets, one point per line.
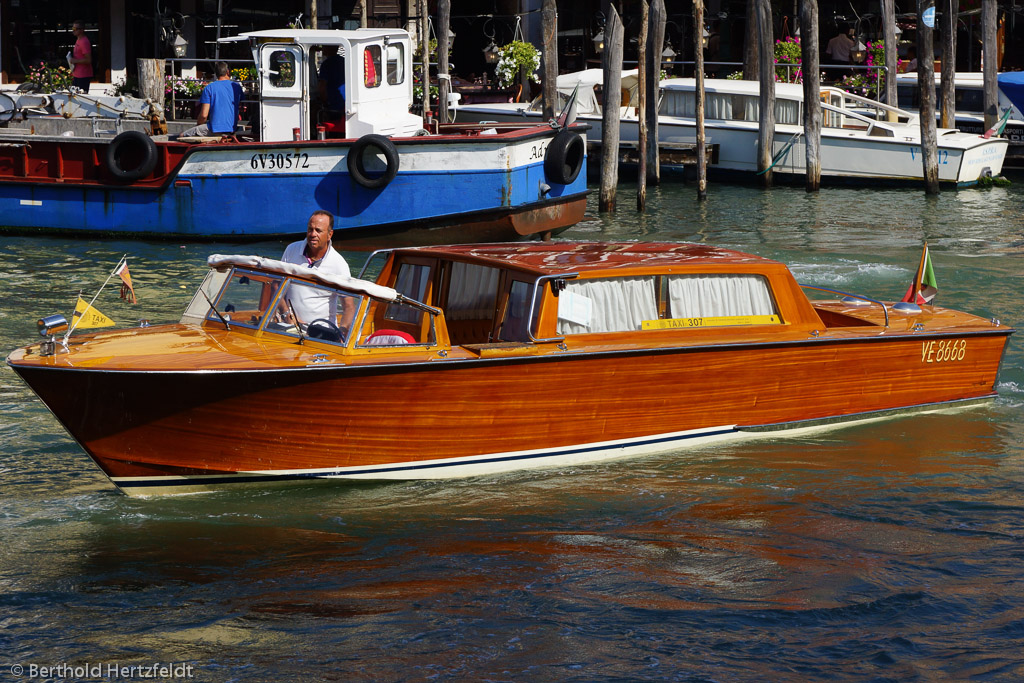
[984, 159]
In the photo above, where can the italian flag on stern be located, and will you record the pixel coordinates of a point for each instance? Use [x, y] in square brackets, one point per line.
[925, 287]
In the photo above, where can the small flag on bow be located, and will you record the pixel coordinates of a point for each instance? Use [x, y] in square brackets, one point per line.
[85, 316]
[925, 287]
[127, 291]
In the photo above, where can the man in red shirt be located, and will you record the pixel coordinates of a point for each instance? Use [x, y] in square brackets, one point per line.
[81, 58]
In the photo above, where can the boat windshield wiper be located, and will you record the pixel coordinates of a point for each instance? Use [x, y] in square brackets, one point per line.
[295, 319]
[227, 325]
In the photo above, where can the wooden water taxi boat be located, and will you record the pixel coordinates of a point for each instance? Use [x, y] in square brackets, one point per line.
[466, 360]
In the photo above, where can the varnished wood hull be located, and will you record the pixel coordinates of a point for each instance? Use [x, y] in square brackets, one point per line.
[162, 432]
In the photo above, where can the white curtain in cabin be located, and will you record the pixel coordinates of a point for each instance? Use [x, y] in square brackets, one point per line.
[787, 111]
[751, 108]
[718, 107]
[616, 305]
[712, 296]
[471, 292]
[679, 103]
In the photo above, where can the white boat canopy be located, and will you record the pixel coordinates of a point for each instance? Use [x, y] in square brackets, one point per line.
[350, 284]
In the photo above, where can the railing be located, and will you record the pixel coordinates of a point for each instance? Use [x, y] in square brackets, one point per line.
[790, 68]
[885, 310]
[169, 70]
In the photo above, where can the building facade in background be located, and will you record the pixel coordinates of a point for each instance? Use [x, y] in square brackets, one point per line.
[122, 31]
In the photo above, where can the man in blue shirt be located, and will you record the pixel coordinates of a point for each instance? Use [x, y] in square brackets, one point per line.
[332, 84]
[218, 105]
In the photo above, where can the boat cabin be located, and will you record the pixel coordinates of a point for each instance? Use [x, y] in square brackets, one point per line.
[485, 299]
[735, 101]
[378, 82]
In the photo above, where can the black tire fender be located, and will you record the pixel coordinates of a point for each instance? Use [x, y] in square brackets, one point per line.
[357, 169]
[138, 143]
[564, 157]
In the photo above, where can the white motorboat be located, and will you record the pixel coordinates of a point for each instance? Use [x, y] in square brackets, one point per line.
[969, 88]
[861, 139]
[673, 140]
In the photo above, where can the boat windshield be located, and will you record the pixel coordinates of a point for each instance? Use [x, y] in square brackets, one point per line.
[314, 311]
[245, 298]
[289, 307]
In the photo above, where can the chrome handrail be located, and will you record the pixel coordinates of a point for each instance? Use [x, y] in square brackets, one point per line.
[855, 296]
[533, 300]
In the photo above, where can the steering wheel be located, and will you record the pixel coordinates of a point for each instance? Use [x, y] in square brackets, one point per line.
[324, 329]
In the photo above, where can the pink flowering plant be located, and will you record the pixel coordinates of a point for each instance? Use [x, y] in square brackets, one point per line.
[869, 82]
[49, 78]
[788, 61]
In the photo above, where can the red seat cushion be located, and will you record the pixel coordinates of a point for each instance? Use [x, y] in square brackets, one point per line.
[389, 338]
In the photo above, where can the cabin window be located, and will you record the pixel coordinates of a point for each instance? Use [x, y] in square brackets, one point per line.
[606, 305]
[246, 298]
[314, 311]
[396, 63]
[516, 325]
[371, 66]
[472, 291]
[282, 69]
[412, 282]
[393, 330]
[719, 296]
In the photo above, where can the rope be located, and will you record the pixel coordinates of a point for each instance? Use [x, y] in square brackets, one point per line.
[782, 153]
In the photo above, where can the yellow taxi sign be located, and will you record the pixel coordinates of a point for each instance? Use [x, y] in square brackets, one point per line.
[719, 321]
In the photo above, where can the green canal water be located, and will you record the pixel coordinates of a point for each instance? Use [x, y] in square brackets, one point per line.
[890, 550]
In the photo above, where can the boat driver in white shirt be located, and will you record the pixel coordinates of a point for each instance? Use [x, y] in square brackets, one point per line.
[316, 251]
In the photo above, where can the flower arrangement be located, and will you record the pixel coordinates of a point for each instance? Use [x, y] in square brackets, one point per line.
[868, 83]
[49, 78]
[788, 60]
[512, 58]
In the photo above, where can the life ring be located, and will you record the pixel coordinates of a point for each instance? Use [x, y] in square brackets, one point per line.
[357, 169]
[564, 157]
[139, 148]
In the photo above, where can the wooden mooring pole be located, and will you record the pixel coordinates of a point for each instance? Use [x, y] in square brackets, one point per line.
[990, 62]
[751, 44]
[766, 100]
[698, 51]
[655, 42]
[549, 82]
[891, 51]
[812, 92]
[425, 49]
[641, 110]
[950, 15]
[151, 81]
[926, 84]
[612, 66]
[444, 84]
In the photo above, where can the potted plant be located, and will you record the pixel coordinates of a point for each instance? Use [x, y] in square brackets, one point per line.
[514, 58]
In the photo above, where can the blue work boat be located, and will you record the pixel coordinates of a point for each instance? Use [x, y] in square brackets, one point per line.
[377, 169]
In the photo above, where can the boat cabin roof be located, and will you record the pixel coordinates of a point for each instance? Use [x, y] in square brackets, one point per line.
[566, 257]
[301, 36]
